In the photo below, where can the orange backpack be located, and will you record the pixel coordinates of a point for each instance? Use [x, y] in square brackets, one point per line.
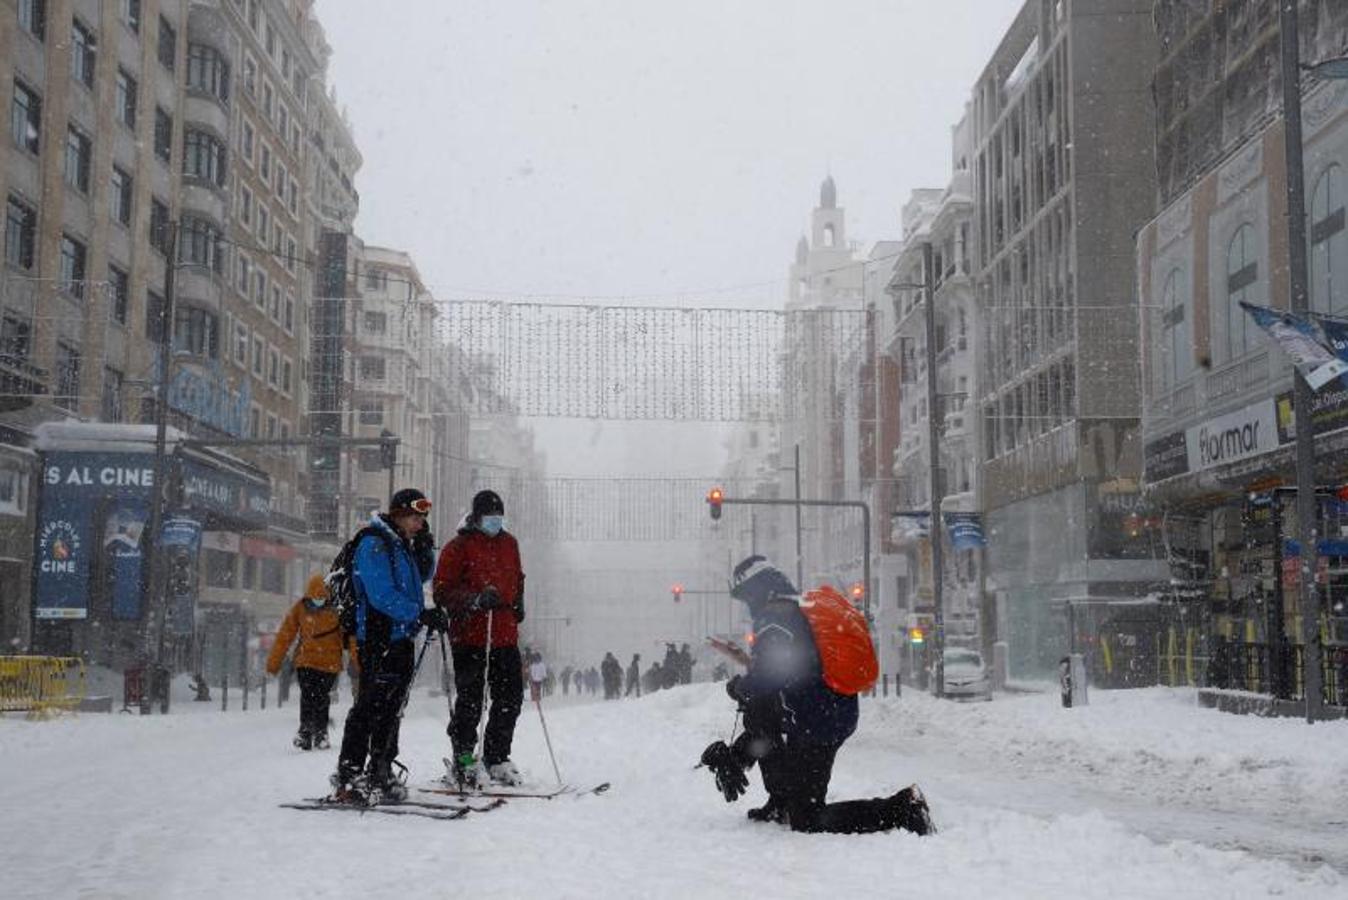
[843, 639]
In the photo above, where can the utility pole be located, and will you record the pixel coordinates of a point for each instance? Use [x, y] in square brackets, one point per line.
[800, 552]
[157, 606]
[1301, 399]
[934, 454]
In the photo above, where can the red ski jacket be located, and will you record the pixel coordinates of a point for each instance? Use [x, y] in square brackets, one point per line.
[469, 563]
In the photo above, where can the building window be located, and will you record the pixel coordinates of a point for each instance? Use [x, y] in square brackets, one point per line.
[268, 100]
[280, 182]
[74, 258]
[121, 195]
[289, 322]
[119, 287]
[131, 14]
[33, 17]
[220, 568]
[372, 368]
[25, 117]
[126, 98]
[163, 134]
[371, 412]
[273, 367]
[244, 275]
[168, 44]
[111, 410]
[376, 323]
[241, 345]
[270, 42]
[265, 166]
[67, 376]
[273, 570]
[250, 76]
[253, 16]
[1329, 245]
[196, 331]
[263, 225]
[20, 234]
[292, 255]
[370, 459]
[259, 354]
[272, 422]
[13, 492]
[79, 153]
[1231, 339]
[159, 225]
[1176, 344]
[154, 316]
[207, 71]
[275, 311]
[15, 338]
[287, 375]
[200, 244]
[260, 288]
[246, 142]
[82, 53]
[376, 280]
[245, 206]
[204, 157]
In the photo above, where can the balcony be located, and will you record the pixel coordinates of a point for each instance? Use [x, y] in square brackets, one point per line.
[207, 110]
[204, 199]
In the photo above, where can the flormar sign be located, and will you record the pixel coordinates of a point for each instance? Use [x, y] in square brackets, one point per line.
[1239, 435]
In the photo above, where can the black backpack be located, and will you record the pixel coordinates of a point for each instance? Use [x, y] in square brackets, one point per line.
[341, 579]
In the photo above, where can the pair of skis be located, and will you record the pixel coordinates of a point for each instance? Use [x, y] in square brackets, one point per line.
[417, 808]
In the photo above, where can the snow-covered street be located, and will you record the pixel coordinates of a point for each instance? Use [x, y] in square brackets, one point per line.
[1139, 795]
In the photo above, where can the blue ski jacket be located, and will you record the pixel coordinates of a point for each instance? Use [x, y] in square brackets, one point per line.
[388, 580]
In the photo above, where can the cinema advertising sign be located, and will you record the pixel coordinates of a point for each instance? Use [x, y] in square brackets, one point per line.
[1236, 436]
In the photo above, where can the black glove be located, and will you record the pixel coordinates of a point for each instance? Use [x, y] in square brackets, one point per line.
[730, 778]
[435, 619]
[489, 598]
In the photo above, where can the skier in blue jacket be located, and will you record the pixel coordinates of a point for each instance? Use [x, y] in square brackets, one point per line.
[393, 558]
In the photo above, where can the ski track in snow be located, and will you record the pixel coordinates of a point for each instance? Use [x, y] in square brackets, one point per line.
[1140, 794]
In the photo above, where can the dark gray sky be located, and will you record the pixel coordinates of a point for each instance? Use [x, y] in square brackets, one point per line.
[628, 148]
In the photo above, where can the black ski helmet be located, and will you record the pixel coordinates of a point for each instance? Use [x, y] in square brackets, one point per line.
[487, 503]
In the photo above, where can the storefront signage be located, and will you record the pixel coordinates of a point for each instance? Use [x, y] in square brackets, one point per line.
[1245, 433]
[1329, 412]
[212, 490]
[1167, 457]
[205, 396]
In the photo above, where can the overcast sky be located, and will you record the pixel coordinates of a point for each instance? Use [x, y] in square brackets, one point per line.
[629, 148]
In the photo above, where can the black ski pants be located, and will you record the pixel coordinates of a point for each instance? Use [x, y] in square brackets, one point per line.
[315, 695]
[372, 724]
[796, 774]
[507, 697]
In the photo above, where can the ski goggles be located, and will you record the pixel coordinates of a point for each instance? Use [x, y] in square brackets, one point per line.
[422, 506]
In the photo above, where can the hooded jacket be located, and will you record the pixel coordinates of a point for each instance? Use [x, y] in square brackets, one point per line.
[320, 639]
[390, 585]
[472, 561]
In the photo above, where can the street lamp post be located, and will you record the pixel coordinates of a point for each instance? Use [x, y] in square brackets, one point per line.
[1298, 279]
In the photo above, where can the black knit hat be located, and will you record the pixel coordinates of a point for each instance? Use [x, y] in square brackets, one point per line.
[409, 499]
[487, 503]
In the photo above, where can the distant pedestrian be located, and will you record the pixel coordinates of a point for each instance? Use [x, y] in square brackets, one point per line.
[318, 659]
[634, 676]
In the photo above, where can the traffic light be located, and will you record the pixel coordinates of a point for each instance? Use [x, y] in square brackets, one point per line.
[916, 636]
[858, 591]
[181, 575]
[714, 498]
[677, 591]
[388, 449]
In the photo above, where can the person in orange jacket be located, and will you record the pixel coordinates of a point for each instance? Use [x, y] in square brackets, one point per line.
[318, 659]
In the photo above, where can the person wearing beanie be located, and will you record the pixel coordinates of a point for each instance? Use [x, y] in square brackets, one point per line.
[479, 581]
[391, 560]
[318, 659]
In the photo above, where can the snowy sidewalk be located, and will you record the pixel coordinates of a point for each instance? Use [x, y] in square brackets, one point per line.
[1032, 800]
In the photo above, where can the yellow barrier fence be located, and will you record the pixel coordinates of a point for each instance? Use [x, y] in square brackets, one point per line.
[40, 684]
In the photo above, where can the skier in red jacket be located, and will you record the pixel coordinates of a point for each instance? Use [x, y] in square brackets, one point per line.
[480, 583]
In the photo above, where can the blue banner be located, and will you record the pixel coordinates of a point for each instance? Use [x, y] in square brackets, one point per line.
[123, 558]
[965, 530]
[180, 540]
[1302, 340]
[81, 491]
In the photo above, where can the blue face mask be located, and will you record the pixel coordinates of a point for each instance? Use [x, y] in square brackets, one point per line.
[492, 525]
[319, 602]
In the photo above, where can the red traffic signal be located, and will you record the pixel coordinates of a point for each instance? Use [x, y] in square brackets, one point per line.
[714, 498]
[677, 591]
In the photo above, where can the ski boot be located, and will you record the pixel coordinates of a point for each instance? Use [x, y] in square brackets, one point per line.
[352, 790]
[321, 741]
[910, 811]
[505, 774]
[387, 785]
[303, 740]
[465, 773]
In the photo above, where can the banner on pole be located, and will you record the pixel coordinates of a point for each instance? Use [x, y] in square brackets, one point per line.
[1301, 339]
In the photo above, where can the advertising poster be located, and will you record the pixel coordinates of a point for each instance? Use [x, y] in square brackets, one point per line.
[181, 543]
[123, 559]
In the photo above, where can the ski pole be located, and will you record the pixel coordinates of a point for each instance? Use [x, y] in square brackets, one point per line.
[486, 694]
[538, 702]
[444, 670]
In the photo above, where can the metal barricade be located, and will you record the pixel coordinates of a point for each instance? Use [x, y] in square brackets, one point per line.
[40, 685]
